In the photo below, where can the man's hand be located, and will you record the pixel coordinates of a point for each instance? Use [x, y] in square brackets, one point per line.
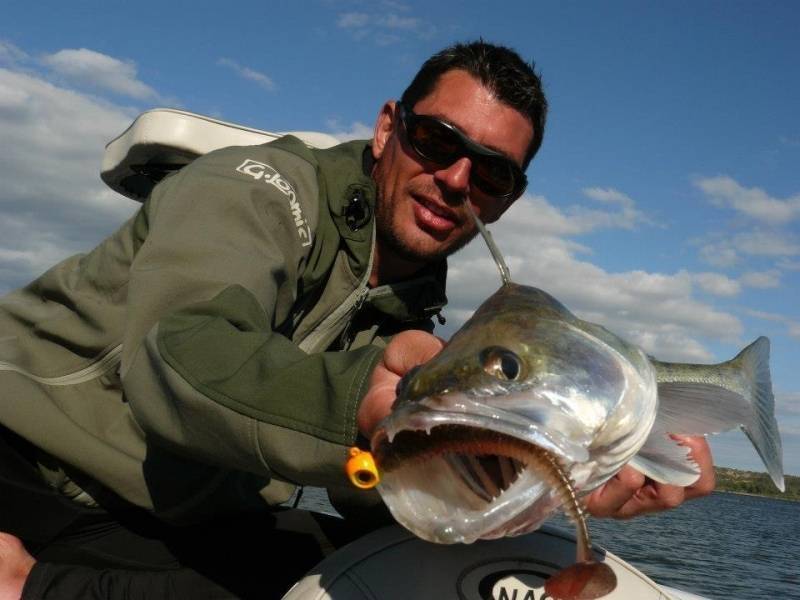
[15, 564]
[405, 351]
[629, 493]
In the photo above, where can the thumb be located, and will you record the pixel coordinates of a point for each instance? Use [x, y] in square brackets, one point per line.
[409, 349]
[405, 351]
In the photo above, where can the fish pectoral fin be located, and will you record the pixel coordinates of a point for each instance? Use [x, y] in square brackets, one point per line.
[665, 460]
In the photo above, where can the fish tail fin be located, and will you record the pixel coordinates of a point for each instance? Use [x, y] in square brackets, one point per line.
[761, 427]
[707, 399]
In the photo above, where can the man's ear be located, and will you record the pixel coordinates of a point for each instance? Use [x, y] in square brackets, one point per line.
[384, 127]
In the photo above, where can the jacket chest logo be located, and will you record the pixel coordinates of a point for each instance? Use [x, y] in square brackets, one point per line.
[263, 172]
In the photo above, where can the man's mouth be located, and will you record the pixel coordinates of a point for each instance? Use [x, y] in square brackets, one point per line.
[434, 216]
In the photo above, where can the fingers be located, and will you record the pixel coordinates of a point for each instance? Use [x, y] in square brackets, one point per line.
[410, 348]
[377, 402]
[10, 546]
[607, 500]
[700, 451]
[652, 497]
[629, 493]
[405, 351]
[15, 565]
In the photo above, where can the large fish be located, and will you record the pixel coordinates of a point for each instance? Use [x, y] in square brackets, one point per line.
[528, 409]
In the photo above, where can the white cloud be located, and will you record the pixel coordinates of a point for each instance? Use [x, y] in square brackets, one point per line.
[752, 202]
[788, 265]
[12, 98]
[393, 21]
[385, 28]
[719, 254]
[392, 5]
[627, 218]
[359, 20]
[654, 310]
[767, 316]
[733, 249]
[762, 242]
[52, 200]
[355, 131]
[262, 80]
[87, 67]
[766, 243]
[10, 54]
[717, 284]
[789, 140]
[385, 39]
[762, 279]
[353, 20]
[787, 412]
[791, 326]
[543, 218]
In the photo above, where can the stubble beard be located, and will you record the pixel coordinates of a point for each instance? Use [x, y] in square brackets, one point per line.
[387, 233]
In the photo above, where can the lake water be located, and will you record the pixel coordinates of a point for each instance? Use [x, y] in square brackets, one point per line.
[724, 546]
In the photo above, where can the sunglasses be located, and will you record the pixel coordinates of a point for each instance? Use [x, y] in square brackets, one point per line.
[441, 143]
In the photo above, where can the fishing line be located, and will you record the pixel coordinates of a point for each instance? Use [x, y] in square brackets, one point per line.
[505, 274]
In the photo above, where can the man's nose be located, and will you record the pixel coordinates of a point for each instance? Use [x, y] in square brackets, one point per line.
[456, 176]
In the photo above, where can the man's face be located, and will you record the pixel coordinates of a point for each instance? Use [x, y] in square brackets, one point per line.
[420, 214]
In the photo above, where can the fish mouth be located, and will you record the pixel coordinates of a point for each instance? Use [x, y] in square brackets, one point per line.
[452, 482]
[483, 421]
[487, 462]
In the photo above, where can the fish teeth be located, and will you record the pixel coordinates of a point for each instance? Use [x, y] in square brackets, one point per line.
[475, 475]
[507, 471]
[485, 479]
[393, 430]
[459, 464]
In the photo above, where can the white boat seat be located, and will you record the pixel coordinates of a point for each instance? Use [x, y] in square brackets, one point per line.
[163, 140]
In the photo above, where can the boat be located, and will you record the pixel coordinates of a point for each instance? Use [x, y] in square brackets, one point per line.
[393, 564]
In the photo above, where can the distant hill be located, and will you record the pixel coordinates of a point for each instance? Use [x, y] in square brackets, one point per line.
[758, 484]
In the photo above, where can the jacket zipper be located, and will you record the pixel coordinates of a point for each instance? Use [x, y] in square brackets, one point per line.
[350, 306]
[100, 367]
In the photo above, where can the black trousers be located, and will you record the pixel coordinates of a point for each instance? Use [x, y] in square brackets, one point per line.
[103, 553]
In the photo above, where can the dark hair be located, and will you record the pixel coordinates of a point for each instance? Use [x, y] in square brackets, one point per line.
[500, 69]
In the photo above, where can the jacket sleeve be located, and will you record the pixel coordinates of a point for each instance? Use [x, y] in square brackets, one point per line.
[204, 370]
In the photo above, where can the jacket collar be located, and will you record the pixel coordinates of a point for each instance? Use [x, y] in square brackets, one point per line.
[352, 196]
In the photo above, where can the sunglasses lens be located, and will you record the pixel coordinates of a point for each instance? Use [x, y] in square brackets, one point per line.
[434, 141]
[493, 175]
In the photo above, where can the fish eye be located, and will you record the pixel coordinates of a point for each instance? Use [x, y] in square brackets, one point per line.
[501, 363]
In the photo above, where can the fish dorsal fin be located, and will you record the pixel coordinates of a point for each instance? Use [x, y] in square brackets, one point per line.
[505, 274]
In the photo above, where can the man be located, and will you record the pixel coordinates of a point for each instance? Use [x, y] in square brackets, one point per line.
[228, 342]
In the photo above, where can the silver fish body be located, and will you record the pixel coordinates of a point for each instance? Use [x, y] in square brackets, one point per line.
[524, 390]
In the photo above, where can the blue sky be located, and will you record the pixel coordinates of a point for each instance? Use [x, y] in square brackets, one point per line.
[664, 203]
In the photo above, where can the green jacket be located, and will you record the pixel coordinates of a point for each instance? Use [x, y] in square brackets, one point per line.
[214, 350]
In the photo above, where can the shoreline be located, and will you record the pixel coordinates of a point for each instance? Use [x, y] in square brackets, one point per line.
[752, 483]
[776, 497]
